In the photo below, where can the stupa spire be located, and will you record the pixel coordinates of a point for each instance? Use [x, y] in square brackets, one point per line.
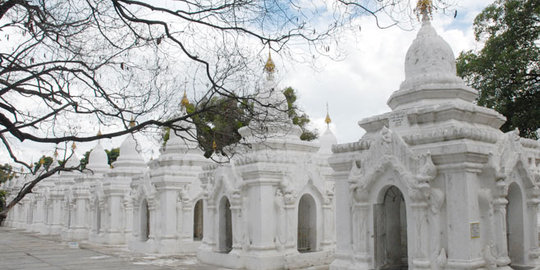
[327, 120]
[131, 122]
[424, 8]
[269, 67]
[185, 100]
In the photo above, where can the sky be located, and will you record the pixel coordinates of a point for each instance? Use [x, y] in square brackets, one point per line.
[359, 86]
[354, 88]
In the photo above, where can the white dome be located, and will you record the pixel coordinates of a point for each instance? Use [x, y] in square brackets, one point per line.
[429, 59]
[327, 140]
[178, 143]
[97, 161]
[129, 156]
[430, 73]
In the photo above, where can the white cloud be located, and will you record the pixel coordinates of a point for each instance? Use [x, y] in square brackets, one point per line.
[359, 86]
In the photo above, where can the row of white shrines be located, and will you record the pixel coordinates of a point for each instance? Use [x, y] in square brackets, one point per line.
[433, 184]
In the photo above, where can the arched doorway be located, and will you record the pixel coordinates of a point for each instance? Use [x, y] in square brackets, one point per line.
[145, 220]
[307, 224]
[390, 218]
[514, 226]
[98, 217]
[225, 226]
[198, 221]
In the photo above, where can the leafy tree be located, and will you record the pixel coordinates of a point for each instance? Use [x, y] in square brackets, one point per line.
[112, 155]
[44, 161]
[298, 117]
[218, 128]
[6, 174]
[506, 70]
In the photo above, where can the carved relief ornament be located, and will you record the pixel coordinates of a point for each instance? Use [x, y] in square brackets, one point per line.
[388, 152]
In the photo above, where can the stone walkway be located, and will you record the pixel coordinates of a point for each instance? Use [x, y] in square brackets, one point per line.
[21, 250]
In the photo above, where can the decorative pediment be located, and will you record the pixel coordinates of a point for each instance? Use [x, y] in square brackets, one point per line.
[388, 152]
[145, 190]
[221, 184]
[183, 195]
[508, 160]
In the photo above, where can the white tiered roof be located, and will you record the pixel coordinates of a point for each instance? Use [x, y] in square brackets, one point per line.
[97, 160]
[430, 73]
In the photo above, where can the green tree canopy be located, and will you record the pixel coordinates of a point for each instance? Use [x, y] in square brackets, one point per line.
[44, 161]
[298, 117]
[506, 70]
[6, 173]
[218, 127]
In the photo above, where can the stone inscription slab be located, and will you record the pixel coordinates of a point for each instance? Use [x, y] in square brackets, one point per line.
[475, 230]
[397, 120]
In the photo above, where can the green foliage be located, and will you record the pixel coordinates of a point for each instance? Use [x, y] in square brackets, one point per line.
[220, 124]
[507, 70]
[46, 160]
[223, 117]
[298, 117]
[85, 159]
[3, 195]
[6, 173]
[166, 134]
[112, 155]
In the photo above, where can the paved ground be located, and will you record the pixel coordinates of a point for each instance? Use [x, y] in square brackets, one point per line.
[21, 250]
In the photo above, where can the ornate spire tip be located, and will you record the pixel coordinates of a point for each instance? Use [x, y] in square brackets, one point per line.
[327, 120]
[269, 67]
[424, 8]
[185, 100]
[132, 122]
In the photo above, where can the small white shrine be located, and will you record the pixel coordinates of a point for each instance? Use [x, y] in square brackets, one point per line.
[167, 200]
[434, 184]
[114, 208]
[98, 168]
[271, 207]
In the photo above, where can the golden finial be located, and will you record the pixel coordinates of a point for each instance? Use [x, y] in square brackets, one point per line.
[99, 132]
[73, 146]
[424, 8]
[269, 66]
[214, 145]
[131, 122]
[327, 120]
[185, 100]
